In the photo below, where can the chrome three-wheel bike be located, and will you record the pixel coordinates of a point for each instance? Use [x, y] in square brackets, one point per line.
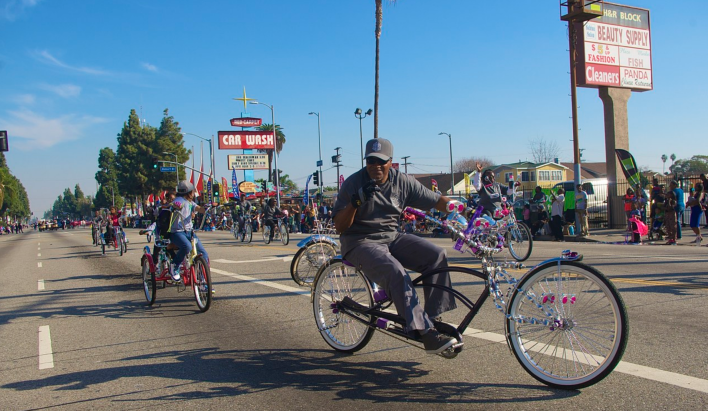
[195, 272]
[564, 321]
[517, 235]
[281, 231]
[117, 241]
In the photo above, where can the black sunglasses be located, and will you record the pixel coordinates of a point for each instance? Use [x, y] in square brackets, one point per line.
[375, 160]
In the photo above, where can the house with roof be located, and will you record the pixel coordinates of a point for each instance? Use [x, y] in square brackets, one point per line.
[531, 174]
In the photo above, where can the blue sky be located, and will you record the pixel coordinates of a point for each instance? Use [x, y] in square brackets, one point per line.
[493, 75]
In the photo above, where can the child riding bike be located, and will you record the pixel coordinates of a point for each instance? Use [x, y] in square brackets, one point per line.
[182, 228]
[114, 217]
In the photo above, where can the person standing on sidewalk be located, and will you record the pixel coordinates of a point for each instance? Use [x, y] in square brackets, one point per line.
[680, 205]
[581, 209]
[670, 217]
[696, 202]
[557, 214]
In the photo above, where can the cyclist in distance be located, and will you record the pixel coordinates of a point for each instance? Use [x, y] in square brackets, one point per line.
[182, 225]
[270, 213]
[366, 214]
[491, 192]
[113, 220]
[241, 209]
[96, 222]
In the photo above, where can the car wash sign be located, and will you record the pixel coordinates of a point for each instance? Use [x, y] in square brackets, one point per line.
[615, 49]
[246, 140]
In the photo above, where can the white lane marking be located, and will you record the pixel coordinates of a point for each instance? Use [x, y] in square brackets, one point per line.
[39, 244]
[39, 264]
[264, 260]
[687, 258]
[39, 254]
[40, 285]
[271, 284]
[39, 248]
[46, 358]
[641, 371]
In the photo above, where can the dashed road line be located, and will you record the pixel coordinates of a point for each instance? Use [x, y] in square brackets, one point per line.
[39, 254]
[40, 285]
[46, 357]
[264, 260]
[641, 371]
[39, 264]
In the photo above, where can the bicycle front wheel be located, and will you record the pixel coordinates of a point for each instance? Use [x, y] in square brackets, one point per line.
[308, 260]
[149, 283]
[201, 283]
[568, 324]
[235, 230]
[519, 241]
[341, 331]
[284, 235]
[247, 233]
[266, 234]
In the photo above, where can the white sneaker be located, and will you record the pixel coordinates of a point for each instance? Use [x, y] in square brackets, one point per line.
[176, 277]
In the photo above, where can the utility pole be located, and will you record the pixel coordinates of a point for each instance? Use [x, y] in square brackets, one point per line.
[405, 163]
[336, 159]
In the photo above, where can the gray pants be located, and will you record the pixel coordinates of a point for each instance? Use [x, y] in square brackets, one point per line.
[386, 264]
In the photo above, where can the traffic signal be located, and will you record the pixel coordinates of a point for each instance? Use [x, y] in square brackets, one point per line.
[3, 141]
[316, 178]
[155, 162]
[264, 186]
[216, 187]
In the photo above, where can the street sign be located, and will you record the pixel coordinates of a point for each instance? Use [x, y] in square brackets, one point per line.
[247, 161]
[319, 163]
[168, 169]
[246, 122]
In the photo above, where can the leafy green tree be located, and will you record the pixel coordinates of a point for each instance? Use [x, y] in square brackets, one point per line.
[286, 184]
[279, 143]
[106, 176]
[693, 166]
[78, 193]
[134, 157]
[168, 139]
[14, 201]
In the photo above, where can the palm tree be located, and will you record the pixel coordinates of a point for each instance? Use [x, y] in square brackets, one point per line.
[279, 142]
[379, 18]
[663, 158]
[673, 158]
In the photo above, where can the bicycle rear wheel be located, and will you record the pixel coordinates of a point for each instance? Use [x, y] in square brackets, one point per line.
[341, 331]
[201, 283]
[149, 283]
[519, 241]
[568, 326]
[284, 235]
[235, 230]
[308, 260]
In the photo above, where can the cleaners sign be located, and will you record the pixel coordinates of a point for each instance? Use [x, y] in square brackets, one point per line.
[615, 49]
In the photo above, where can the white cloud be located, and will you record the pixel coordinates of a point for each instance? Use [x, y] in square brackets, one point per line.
[63, 90]
[14, 8]
[24, 99]
[45, 57]
[150, 67]
[35, 131]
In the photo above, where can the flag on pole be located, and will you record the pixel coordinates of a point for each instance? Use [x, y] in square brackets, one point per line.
[306, 196]
[234, 185]
[629, 166]
[224, 189]
[467, 184]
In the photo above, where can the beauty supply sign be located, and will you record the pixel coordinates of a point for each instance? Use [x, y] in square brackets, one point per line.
[615, 49]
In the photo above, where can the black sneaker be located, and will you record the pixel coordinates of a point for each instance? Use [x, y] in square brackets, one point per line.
[435, 343]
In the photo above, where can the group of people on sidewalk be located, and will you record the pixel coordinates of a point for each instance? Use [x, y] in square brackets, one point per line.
[667, 208]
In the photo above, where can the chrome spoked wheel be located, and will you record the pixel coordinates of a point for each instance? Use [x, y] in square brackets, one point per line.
[308, 260]
[247, 233]
[266, 234]
[236, 231]
[201, 284]
[341, 331]
[519, 241]
[568, 325]
[149, 283]
[284, 235]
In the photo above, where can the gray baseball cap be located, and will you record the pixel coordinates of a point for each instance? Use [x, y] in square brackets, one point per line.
[379, 148]
[184, 187]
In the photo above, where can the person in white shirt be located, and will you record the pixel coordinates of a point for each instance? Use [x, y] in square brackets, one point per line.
[558, 200]
[581, 209]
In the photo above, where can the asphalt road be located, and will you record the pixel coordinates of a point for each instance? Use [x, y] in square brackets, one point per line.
[76, 333]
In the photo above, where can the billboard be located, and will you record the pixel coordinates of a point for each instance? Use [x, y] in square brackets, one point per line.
[246, 122]
[615, 49]
[246, 140]
[247, 161]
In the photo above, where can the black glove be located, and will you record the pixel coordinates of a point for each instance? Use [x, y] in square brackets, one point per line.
[365, 193]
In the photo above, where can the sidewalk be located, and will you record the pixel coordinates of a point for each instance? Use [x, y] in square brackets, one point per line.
[609, 235]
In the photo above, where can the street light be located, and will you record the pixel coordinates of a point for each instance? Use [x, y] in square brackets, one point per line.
[211, 155]
[319, 134]
[452, 173]
[275, 150]
[176, 166]
[357, 114]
